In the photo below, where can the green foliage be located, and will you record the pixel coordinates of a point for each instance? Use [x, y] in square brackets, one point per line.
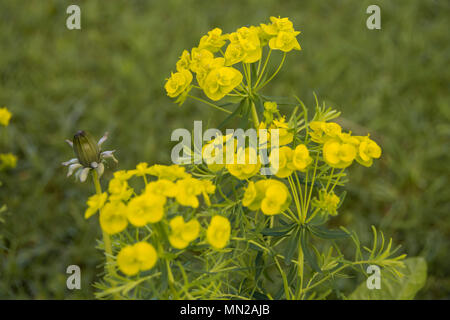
[404, 288]
[109, 76]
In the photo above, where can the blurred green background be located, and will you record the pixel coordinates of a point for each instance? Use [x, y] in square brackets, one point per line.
[109, 76]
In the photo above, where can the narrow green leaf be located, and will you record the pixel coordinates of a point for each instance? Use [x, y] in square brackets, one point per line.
[309, 256]
[278, 231]
[324, 233]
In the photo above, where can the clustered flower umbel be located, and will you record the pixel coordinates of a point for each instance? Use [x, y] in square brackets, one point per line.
[88, 155]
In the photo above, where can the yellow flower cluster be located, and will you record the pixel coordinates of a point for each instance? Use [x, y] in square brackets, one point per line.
[211, 152]
[215, 74]
[290, 160]
[271, 196]
[327, 201]
[246, 163]
[280, 34]
[341, 149]
[285, 132]
[121, 205]
[132, 259]
[5, 116]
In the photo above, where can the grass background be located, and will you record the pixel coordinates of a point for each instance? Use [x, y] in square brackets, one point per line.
[109, 76]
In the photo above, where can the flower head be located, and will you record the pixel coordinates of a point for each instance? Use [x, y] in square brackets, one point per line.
[146, 208]
[246, 163]
[271, 196]
[285, 132]
[95, 203]
[113, 217]
[141, 256]
[184, 62]
[119, 190]
[88, 155]
[183, 232]
[284, 168]
[323, 131]
[172, 172]
[221, 81]
[327, 201]
[276, 198]
[301, 158]
[5, 116]
[187, 191]
[213, 41]
[7, 161]
[178, 83]
[338, 154]
[367, 151]
[218, 232]
[162, 187]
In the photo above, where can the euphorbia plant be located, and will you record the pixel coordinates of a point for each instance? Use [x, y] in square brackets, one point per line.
[221, 229]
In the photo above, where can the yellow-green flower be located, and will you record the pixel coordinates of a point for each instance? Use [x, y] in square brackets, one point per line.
[367, 151]
[276, 198]
[271, 196]
[5, 116]
[199, 58]
[172, 172]
[187, 191]
[214, 152]
[235, 53]
[213, 41]
[178, 83]
[184, 62]
[254, 194]
[285, 155]
[206, 66]
[278, 25]
[95, 203]
[123, 175]
[301, 158]
[141, 256]
[327, 201]
[162, 187]
[7, 161]
[270, 108]
[146, 208]
[245, 165]
[248, 41]
[337, 154]
[113, 217]
[183, 232]
[323, 131]
[119, 190]
[285, 133]
[221, 81]
[141, 170]
[218, 232]
[285, 41]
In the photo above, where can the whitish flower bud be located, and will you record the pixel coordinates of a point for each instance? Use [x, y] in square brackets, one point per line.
[86, 149]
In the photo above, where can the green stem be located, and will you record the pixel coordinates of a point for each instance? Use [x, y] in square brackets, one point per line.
[210, 104]
[312, 183]
[263, 69]
[337, 180]
[106, 237]
[275, 73]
